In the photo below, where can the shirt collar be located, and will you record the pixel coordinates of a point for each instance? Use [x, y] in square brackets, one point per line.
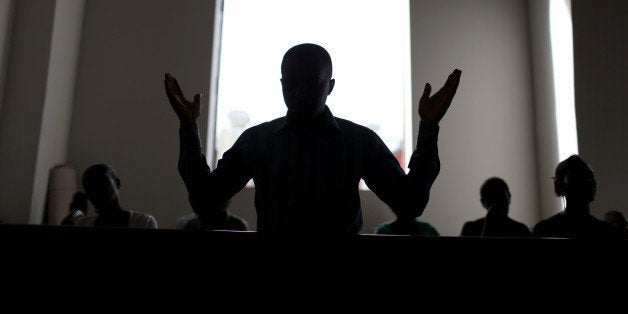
[326, 121]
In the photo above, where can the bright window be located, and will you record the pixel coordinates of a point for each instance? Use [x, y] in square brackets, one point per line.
[369, 43]
[562, 60]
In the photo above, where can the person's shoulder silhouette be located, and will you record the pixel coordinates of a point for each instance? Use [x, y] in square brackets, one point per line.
[101, 184]
[192, 222]
[495, 198]
[411, 226]
[574, 180]
[618, 220]
[473, 228]
[213, 222]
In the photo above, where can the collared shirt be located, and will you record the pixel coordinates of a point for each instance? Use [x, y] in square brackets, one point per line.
[308, 181]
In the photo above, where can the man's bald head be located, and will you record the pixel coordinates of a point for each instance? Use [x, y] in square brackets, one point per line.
[309, 53]
[306, 81]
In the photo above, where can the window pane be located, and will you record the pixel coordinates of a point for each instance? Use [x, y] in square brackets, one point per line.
[367, 40]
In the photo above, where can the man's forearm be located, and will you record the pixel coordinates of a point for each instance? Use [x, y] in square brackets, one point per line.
[424, 168]
[196, 175]
[425, 162]
[192, 163]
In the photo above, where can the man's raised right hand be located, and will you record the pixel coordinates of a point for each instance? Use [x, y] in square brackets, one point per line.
[187, 111]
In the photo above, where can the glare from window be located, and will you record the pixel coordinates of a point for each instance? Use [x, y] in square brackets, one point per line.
[368, 41]
[562, 59]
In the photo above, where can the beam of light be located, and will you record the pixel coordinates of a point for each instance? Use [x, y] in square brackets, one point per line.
[561, 35]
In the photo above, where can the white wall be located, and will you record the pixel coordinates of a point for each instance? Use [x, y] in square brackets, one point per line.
[544, 108]
[6, 15]
[38, 101]
[58, 102]
[23, 105]
[121, 114]
[489, 130]
[600, 52]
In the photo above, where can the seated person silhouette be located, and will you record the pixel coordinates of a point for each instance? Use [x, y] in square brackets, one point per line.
[617, 220]
[407, 226]
[78, 208]
[495, 197]
[575, 181]
[101, 185]
[193, 222]
[306, 166]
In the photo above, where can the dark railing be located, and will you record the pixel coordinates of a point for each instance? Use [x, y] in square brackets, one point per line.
[60, 250]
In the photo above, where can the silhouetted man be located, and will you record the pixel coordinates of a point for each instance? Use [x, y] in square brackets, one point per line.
[307, 165]
[101, 185]
[574, 180]
[495, 197]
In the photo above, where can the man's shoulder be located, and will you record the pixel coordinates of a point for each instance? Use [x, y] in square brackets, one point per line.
[139, 219]
[479, 221]
[344, 123]
[515, 222]
[475, 224]
[550, 224]
[421, 223]
[473, 227]
[383, 228]
[268, 124]
[265, 127]
[518, 228]
[602, 226]
[426, 228]
[554, 219]
[352, 127]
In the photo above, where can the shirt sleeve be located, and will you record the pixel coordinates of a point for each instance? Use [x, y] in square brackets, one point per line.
[209, 191]
[432, 231]
[406, 194]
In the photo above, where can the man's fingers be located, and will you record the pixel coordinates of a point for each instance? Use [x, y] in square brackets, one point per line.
[178, 90]
[458, 74]
[167, 84]
[426, 92]
[197, 99]
[453, 80]
[169, 88]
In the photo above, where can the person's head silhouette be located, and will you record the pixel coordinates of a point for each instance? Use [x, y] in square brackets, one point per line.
[306, 79]
[495, 197]
[574, 179]
[617, 219]
[101, 184]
